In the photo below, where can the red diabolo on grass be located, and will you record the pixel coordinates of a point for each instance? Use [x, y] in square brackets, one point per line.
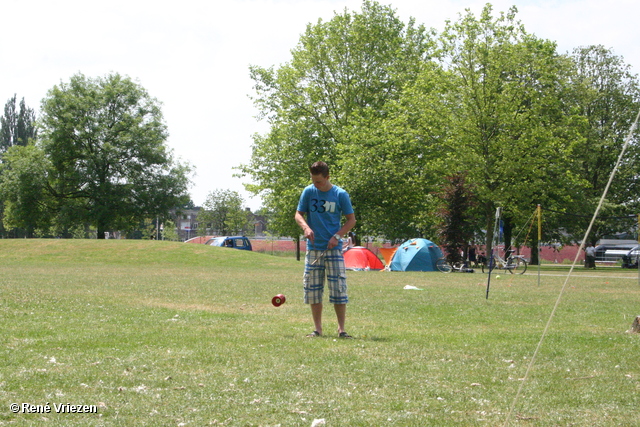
[278, 300]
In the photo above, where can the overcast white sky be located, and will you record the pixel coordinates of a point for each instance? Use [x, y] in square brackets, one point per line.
[194, 55]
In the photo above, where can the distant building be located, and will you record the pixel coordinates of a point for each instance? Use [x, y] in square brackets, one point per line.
[186, 221]
[259, 224]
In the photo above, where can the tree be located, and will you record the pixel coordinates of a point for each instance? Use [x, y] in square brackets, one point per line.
[394, 166]
[223, 213]
[607, 96]
[106, 141]
[23, 188]
[17, 127]
[341, 77]
[507, 118]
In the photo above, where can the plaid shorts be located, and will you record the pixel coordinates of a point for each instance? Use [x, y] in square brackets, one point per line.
[331, 264]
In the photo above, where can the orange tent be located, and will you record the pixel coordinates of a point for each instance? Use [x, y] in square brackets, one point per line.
[387, 254]
[361, 258]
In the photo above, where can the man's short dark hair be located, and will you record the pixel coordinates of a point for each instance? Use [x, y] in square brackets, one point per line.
[319, 168]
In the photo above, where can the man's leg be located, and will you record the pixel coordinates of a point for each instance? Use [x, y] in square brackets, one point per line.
[337, 279]
[341, 314]
[314, 287]
[316, 314]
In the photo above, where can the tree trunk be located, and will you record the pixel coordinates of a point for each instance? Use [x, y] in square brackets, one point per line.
[101, 233]
[507, 229]
[534, 250]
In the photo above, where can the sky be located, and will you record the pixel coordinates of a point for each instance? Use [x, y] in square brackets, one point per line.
[193, 56]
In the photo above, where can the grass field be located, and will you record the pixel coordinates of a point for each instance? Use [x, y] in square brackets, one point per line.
[171, 334]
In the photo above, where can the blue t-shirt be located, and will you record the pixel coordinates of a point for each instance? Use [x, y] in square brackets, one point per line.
[324, 210]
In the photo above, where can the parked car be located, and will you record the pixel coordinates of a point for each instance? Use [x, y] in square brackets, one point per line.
[609, 252]
[236, 242]
[630, 260]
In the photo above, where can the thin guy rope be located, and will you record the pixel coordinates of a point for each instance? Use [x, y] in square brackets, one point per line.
[564, 286]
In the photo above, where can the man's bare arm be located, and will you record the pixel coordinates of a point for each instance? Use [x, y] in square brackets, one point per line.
[306, 230]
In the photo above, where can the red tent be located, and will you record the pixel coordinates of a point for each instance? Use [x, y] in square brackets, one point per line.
[361, 258]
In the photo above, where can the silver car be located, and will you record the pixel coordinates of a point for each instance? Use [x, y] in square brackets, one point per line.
[630, 260]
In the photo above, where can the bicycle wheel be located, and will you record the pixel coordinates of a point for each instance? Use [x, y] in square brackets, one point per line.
[443, 265]
[517, 266]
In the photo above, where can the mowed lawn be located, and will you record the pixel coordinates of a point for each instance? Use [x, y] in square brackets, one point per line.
[173, 334]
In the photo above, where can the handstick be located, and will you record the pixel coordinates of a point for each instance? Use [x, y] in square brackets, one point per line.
[320, 256]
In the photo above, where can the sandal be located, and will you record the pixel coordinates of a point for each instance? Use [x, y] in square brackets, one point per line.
[345, 335]
[313, 334]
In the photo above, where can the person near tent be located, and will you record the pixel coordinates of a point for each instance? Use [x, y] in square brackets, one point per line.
[319, 214]
[349, 242]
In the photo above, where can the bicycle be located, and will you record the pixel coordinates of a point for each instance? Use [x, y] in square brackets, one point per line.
[515, 264]
[447, 267]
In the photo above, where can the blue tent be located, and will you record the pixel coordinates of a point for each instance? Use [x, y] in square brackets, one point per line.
[416, 255]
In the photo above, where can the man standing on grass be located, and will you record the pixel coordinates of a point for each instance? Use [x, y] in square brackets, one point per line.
[590, 257]
[324, 204]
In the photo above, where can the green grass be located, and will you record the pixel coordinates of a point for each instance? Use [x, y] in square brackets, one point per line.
[158, 333]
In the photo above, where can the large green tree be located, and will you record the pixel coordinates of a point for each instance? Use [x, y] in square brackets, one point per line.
[110, 166]
[507, 116]
[342, 75]
[489, 105]
[394, 164]
[607, 97]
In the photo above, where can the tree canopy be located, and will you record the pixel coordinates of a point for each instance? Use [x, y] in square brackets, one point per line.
[394, 109]
[101, 158]
[607, 100]
[341, 76]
